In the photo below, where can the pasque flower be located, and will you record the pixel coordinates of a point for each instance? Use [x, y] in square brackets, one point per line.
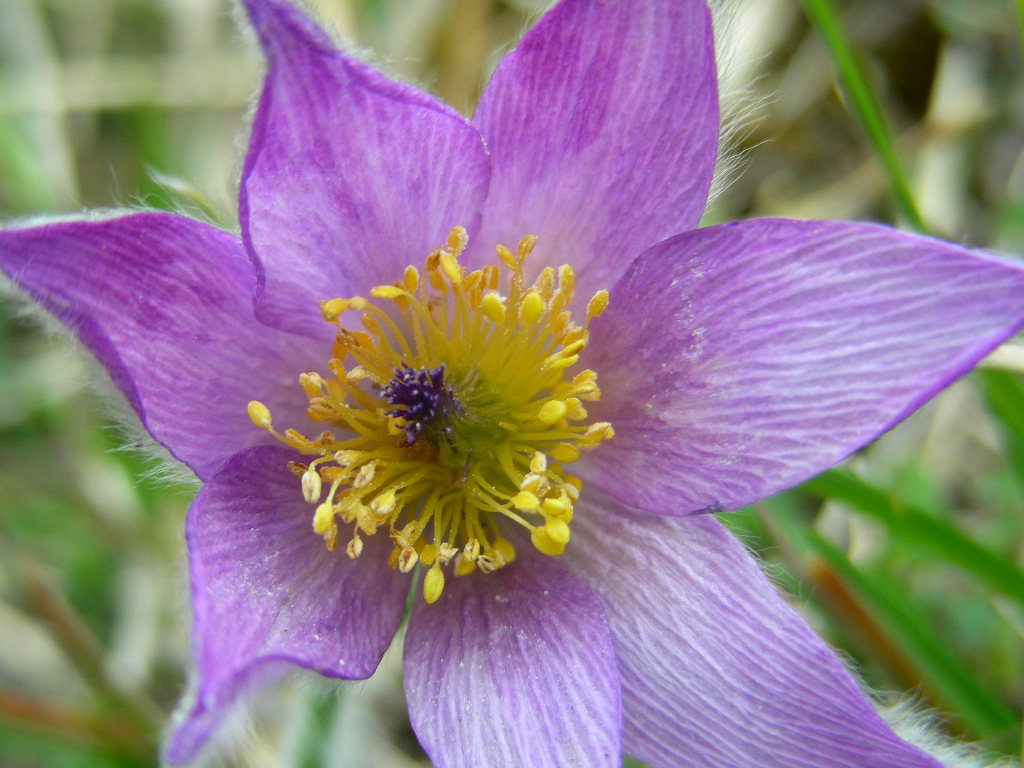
[497, 353]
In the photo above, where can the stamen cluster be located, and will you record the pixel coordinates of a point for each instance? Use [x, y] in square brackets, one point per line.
[449, 410]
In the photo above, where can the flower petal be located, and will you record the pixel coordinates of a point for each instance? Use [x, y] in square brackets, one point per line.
[717, 670]
[512, 669]
[165, 304]
[349, 176]
[738, 360]
[602, 126]
[265, 589]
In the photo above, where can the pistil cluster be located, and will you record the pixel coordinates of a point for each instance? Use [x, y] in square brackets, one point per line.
[450, 412]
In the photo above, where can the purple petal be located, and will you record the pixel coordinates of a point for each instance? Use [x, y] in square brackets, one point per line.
[349, 176]
[738, 360]
[165, 304]
[514, 668]
[602, 126]
[265, 589]
[717, 670]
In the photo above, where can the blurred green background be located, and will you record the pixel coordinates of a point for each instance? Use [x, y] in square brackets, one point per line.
[909, 557]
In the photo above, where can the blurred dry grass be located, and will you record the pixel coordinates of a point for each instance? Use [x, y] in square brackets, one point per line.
[109, 103]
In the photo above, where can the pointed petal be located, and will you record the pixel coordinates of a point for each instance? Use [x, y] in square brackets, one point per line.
[265, 589]
[349, 176]
[514, 668]
[602, 126]
[739, 360]
[165, 304]
[717, 671]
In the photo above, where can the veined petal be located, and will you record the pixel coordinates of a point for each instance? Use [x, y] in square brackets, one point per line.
[349, 176]
[165, 304]
[717, 670]
[602, 126]
[744, 358]
[513, 669]
[265, 589]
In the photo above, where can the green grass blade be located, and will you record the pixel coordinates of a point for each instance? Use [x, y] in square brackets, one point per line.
[1019, 7]
[864, 105]
[984, 714]
[915, 527]
[1004, 394]
[903, 625]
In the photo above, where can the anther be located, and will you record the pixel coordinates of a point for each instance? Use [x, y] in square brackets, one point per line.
[354, 548]
[535, 483]
[331, 308]
[525, 247]
[542, 541]
[445, 553]
[525, 501]
[597, 304]
[311, 485]
[385, 292]
[552, 411]
[411, 278]
[365, 475]
[464, 567]
[559, 507]
[539, 463]
[531, 308]
[557, 530]
[311, 383]
[504, 548]
[457, 240]
[493, 307]
[323, 518]
[507, 257]
[428, 555]
[433, 584]
[259, 414]
[384, 504]
[450, 267]
[407, 559]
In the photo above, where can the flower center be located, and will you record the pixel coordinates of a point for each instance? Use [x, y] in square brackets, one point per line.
[450, 414]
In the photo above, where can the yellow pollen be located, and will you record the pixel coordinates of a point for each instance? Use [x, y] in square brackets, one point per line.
[448, 414]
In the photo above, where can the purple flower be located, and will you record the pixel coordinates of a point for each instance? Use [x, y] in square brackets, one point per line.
[704, 370]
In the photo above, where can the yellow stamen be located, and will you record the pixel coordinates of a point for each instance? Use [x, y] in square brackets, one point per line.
[541, 539]
[433, 584]
[552, 411]
[259, 414]
[525, 501]
[493, 307]
[532, 308]
[448, 414]
[598, 303]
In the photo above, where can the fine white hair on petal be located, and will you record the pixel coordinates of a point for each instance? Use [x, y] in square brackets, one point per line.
[163, 468]
[736, 57]
[924, 729]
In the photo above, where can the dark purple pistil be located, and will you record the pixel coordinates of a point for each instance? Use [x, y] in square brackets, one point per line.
[422, 399]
